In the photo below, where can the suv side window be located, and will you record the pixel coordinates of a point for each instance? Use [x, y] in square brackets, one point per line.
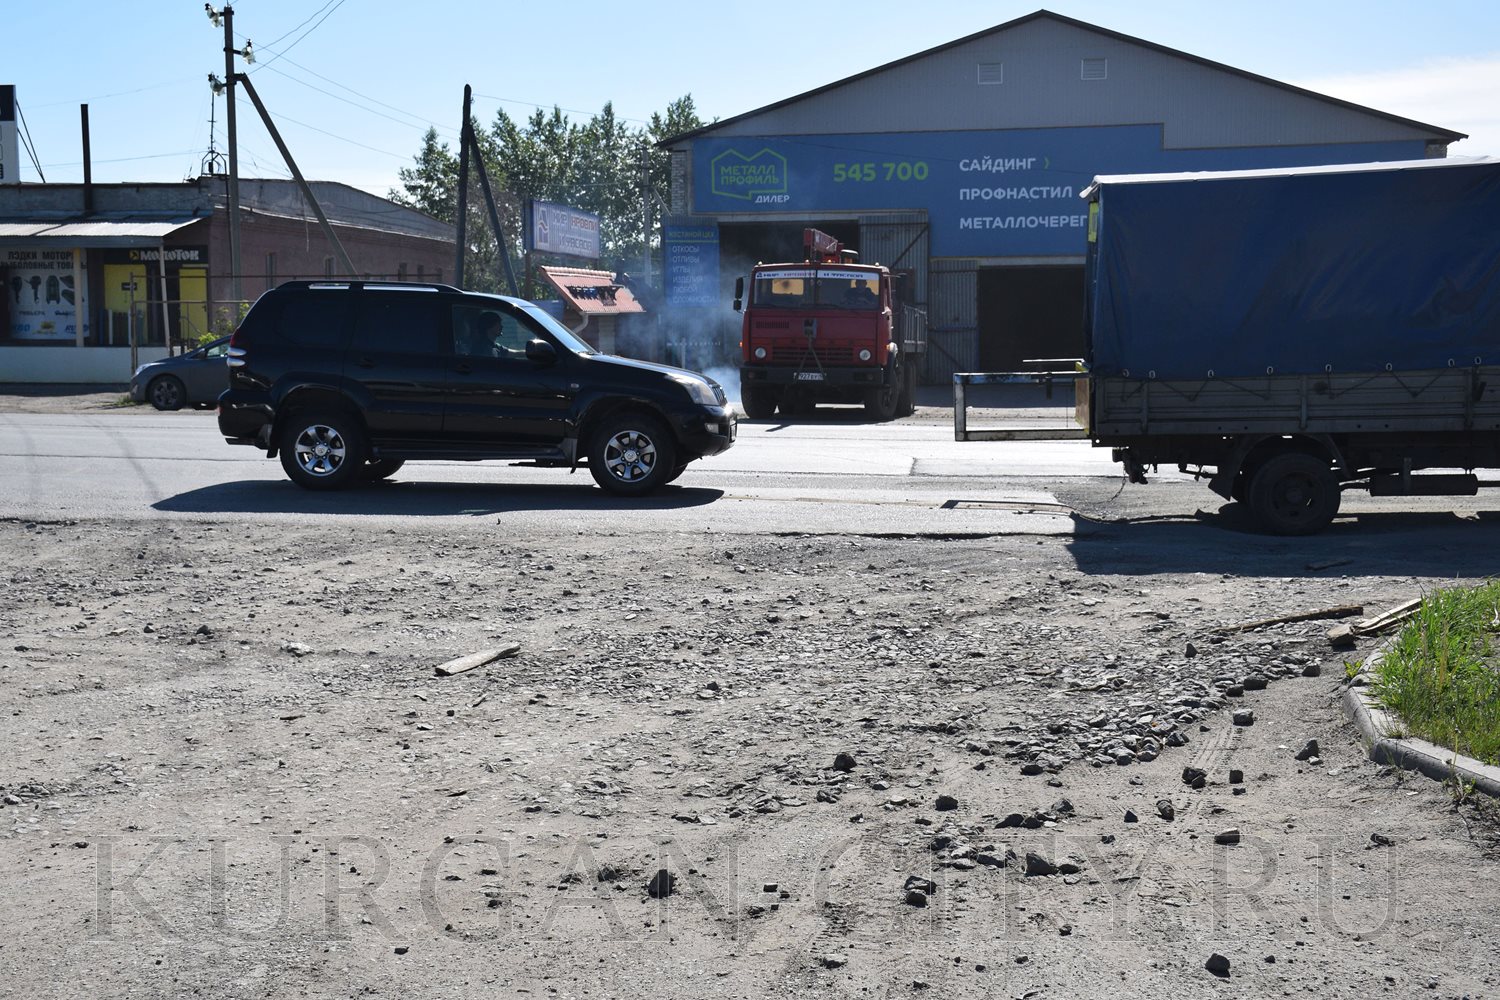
[400, 323]
[317, 319]
[489, 332]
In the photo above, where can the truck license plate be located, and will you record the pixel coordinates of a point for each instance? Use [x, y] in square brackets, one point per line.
[809, 376]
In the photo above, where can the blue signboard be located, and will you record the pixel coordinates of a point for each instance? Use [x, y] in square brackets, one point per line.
[690, 259]
[987, 193]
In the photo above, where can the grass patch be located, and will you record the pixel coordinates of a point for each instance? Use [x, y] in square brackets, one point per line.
[1441, 676]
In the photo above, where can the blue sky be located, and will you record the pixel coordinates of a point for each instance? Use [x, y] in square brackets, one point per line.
[357, 82]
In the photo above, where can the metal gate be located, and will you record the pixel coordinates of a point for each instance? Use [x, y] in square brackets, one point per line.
[899, 241]
[952, 321]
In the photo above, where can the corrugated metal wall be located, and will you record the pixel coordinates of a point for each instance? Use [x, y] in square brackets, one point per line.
[952, 319]
[900, 243]
[1040, 62]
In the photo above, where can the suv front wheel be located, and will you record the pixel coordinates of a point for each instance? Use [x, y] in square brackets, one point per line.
[323, 451]
[632, 454]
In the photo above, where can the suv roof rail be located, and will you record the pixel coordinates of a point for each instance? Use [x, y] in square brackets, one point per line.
[358, 283]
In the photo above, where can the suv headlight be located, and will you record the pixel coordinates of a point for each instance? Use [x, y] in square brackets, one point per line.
[697, 389]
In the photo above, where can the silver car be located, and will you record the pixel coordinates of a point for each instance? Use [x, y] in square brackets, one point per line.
[192, 379]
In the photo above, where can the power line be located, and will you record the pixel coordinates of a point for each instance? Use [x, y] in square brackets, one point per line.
[309, 31]
[272, 47]
[545, 107]
[122, 93]
[363, 96]
[341, 138]
[356, 104]
[122, 159]
[26, 138]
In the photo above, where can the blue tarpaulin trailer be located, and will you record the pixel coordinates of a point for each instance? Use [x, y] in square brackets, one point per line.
[1289, 334]
[1332, 269]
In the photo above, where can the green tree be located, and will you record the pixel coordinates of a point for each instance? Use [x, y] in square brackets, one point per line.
[681, 116]
[595, 166]
[429, 186]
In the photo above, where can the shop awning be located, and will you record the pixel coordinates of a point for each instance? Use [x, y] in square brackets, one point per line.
[591, 293]
[91, 233]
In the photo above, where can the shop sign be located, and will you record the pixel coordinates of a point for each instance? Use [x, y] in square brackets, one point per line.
[173, 255]
[10, 150]
[690, 254]
[39, 293]
[993, 193]
[554, 228]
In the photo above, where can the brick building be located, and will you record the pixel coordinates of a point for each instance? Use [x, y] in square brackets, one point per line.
[96, 279]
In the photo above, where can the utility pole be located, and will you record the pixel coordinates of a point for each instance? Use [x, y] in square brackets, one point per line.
[225, 18]
[234, 159]
[461, 235]
[645, 217]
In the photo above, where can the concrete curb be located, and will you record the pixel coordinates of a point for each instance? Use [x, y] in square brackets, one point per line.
[1410, 753]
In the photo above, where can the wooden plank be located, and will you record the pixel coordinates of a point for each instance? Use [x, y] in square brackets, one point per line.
[1390, 617]
[479, 659]
[1342, 611]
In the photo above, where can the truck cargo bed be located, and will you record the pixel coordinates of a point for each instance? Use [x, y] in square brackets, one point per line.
[1439, 400]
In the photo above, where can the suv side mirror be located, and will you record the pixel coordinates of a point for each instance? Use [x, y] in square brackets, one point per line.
[541, 352]
[739, 292]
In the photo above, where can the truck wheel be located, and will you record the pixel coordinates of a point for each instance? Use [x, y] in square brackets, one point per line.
[881, 402]
[323, 450]
[760, 404]
[631, 454]
[1294, 494]
[906, 403]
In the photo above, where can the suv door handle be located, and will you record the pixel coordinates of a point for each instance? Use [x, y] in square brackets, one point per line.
[463, 369]
[365, 363]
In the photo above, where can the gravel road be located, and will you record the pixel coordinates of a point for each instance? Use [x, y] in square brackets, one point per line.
[229, 769]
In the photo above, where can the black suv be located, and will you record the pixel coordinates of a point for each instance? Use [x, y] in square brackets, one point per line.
[349, 380]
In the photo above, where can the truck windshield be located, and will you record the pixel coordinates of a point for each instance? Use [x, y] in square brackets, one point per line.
[821, 288]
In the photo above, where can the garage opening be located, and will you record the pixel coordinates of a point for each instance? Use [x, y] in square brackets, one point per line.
[1029, 312]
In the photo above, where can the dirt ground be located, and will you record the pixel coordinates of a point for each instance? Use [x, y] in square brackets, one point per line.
[229, 769]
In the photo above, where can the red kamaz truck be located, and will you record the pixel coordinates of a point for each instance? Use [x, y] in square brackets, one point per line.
[827, 330]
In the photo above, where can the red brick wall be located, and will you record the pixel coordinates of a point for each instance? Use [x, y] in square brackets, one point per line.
[301, 249]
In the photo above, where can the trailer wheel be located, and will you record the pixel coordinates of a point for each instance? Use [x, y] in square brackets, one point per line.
[760, 404]
[1294, 494]
[1240, 489]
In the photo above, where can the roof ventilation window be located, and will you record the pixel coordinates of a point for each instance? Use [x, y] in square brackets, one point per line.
[991, 73]
[1094, 69]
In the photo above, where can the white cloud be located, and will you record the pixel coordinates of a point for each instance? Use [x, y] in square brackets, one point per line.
[1457, 94]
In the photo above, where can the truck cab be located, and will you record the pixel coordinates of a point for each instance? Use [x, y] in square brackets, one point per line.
[822, 330]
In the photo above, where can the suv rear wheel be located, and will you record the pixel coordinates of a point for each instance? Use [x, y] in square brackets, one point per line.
[382, 468]
[632, 454]
[323, 450]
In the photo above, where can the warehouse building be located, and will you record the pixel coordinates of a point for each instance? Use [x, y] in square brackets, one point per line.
[97, 278]
[961, 167]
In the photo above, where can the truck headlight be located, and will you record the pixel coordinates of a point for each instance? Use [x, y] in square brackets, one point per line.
[760, 352]
[697, 389]
[864, 355]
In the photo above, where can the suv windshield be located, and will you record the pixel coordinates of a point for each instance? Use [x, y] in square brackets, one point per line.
[821, 288]
[567, 338]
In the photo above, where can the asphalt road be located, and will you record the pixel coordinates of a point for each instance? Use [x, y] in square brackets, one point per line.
[823, 476]
[834, 474]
